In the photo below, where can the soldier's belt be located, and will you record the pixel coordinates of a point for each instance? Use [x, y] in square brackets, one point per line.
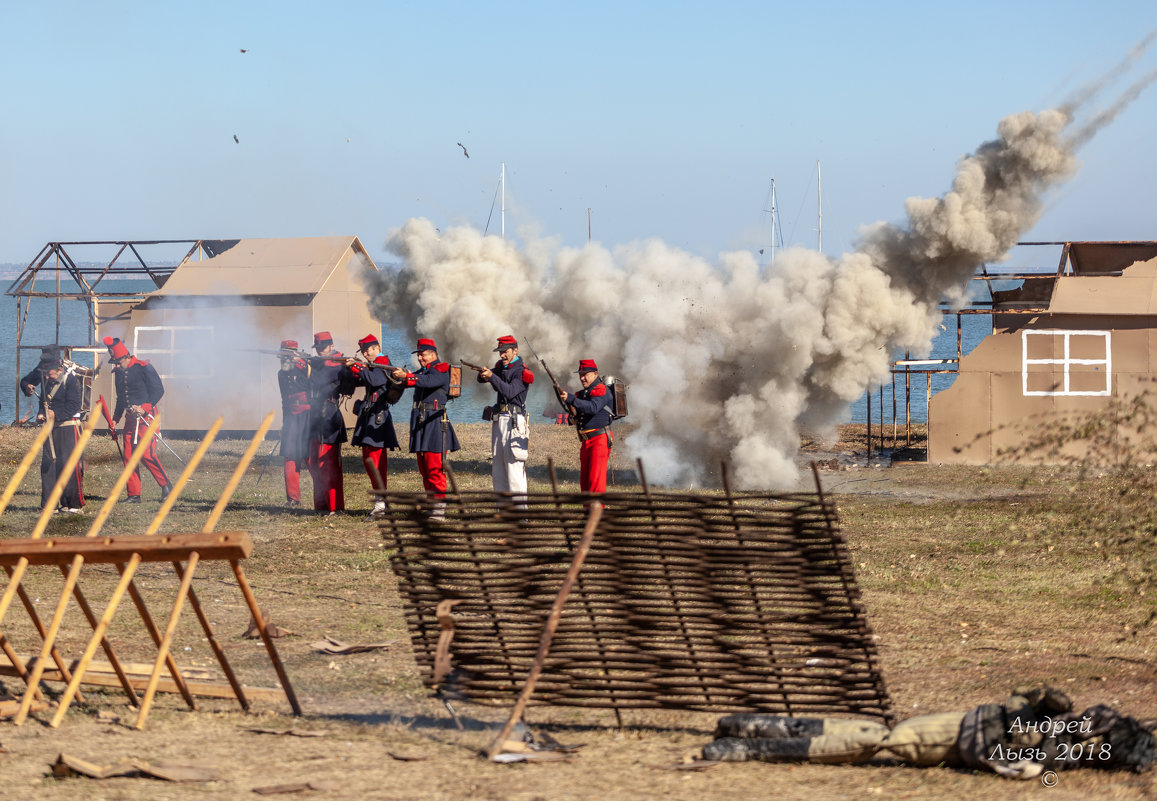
[501, 408]
[69, 422]
[591, 433]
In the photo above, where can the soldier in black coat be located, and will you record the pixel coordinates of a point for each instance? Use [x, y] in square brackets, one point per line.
[61, 406]
[431, 434]
[328, 382]
[293, 380]
[374, 429]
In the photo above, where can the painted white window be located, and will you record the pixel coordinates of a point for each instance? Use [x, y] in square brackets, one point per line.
[176, 351]
[1066, 362]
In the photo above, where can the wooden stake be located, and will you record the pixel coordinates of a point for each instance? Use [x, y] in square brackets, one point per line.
[22, 468]
[167, 640]
[17, 573]
[191, 565]
[595, 514]
[72, 573]
[250, 599]
[128, 569]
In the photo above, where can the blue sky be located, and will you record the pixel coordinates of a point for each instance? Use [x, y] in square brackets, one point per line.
[666, 120]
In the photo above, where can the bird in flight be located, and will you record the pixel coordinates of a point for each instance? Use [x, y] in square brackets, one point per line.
[467, 155]
[235, 139]
[243, 50]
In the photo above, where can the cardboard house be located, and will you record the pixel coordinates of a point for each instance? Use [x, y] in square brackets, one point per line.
[228, 300]
[1063, 343]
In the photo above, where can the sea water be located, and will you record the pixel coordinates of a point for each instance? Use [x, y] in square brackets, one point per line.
[41, 329]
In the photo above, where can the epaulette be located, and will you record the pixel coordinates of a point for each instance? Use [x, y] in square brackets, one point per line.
[527, 376]
[442, 367]
[598, 390]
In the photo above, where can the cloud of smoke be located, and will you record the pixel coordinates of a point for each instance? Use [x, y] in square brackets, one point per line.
[730, 361]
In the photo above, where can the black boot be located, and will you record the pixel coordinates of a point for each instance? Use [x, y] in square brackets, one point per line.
[165, 490]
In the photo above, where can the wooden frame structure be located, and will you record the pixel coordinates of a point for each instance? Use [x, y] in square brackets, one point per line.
[71, 280]
[703, 602]
[183, 551]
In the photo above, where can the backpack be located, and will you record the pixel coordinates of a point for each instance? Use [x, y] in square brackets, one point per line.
[455, 390]
[618, 397]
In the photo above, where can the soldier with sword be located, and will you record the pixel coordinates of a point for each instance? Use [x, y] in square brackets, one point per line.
[139, 389]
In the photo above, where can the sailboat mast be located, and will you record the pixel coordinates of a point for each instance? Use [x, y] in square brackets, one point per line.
[820, 207]
[771, 209]
[502, 183]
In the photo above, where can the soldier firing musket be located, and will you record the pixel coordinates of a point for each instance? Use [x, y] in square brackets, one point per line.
[374, 429]
[509, 428]
[431, 435]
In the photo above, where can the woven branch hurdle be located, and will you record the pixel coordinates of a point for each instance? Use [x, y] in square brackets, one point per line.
[707, 602]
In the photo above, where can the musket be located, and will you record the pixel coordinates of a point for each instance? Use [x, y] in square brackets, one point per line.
[362, 363]
[268, 459]
[24, 419]
[300, 354]
[472, 366]
[558, 390]
[112, 429]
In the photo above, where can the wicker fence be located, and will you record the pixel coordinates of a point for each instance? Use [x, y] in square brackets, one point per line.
[714, 603]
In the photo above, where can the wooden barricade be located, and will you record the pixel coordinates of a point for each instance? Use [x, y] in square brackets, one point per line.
[70, 555]
[707, 602]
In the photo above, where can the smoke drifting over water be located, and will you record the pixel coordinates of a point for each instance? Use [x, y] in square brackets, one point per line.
[729, 361]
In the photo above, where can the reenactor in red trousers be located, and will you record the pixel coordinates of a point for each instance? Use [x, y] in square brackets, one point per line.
[293, 380]
[374, 429]
[139, 389]
[592, 408]
[431, 435]
[328, 382]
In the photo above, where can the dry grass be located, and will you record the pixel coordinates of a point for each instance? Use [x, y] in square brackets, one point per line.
[975, 581]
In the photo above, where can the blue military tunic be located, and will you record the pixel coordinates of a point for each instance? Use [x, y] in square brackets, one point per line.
[137, 385]
[295, 423]
[375, 425]
[592, 406]
[511, 382]
[328, 381]
[428, 416]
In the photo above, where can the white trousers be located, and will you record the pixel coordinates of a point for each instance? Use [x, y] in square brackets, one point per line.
[509, 448]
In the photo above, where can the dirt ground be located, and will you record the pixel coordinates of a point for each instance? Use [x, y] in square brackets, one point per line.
[973, 581]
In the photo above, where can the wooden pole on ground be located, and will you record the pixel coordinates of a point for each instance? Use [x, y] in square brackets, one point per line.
[593, 517]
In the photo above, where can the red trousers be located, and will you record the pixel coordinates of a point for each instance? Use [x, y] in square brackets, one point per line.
[374, 460]
[594, 455]
[292, 481]
[328, 481]
[149, 460]
[433, 477]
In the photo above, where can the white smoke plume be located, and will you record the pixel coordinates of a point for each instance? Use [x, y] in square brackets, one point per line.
[730, 361]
